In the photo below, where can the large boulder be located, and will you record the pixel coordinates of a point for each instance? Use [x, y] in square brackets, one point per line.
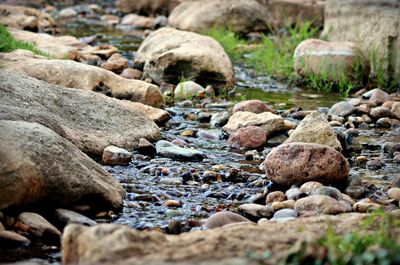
[147, 7]
[89, 120]
[39, 167]
[200, 16]
[315, 129]
[72, 74]
[168, 54]
[333, 61]
[21, 17]
[373, 25]
[296, 163]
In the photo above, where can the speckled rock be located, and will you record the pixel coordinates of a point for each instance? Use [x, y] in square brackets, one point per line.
[113, 155]
[310, 187]
[276, 196]
[250, 137]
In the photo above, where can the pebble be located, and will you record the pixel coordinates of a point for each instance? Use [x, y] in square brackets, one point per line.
[113, 155]
[284, 213]
[375, 163]
[366, 205]
[172, 203]
[394, 193]
[293, 193]
[276, 196]
[167, 149]
[255, 212]
[380, 112]
[65, 217]
[38, 227]
[224, 218]
[282, 205]
[219, 119]
[342, 108]
[329, 191]
[310, 187]
[146, 148]
[9, 239]
[320, 204]
[171, 181]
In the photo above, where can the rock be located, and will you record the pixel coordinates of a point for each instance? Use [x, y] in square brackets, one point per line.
[223, 218]
[310, 187]
[396, 109]
[255, 211]
[219, 119]
[130, 73]
[80, 76]
[171, 181]
[296, 163]
[343, 109]
[275, 196]
[26, 18]
[320, 204]
[188, 90]
[113, 155]
[315, 129]
[293, 193]
[66, 217]
[355, 20]
[146, 148]
[159, 116]
[68, 12]
[329, 191]
[277, 140]
[110, 19]
[284, 213]
[57, 47]
[250, 137]
[9, 239]
[254, 106]
[89, 120]
[39, 227]
[104, 51]
[267, 121]
[330, 60]
[277, 205]
[242, 16]
[138, 22]
[377, 96]
[366, 205]
[147, 7]
[167, 149]
[172, 203]
[116, 63]
[27, 150]
[375, 163]
[188, 55]
[394, 193]
[380, 112]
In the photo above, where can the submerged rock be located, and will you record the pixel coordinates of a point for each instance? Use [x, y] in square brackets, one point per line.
[170, 150]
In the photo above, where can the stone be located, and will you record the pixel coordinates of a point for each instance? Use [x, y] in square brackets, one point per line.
[343, 109]
[250, 137]
[27, 150]
[275, 196]
[188, 90]
[66, 217]
[310, 187]
[219, 119]
[375, 163]
[68, 12]
[38, 226]
[81, 76]
[10, 239]
[277, 205]
[366, 205]
[293, 193]
[146, 148]
[315, 129]
[171, 181]
[147, 7]
[110, 19]
[284, 213]
[89, 120]
[188, 55]
[254, 106]
[116, 63]
[376, 96]
[396, 110]
[26, 18]
[104, 51]
[330, 60]
[130, 73]
[380, 112]
[167, 149]
[172, 203]
[159, 116]
[269, 122]
[394, 193]
[297, 163]
[113, 155]
[223, 218]
[355, 20]
[329, 191]
[242, 16]
[138, 22]
[320, 204]
[255, 212]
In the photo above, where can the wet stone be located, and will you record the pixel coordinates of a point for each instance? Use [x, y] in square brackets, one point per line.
[329, 191]
[285, 213]
[10, 239]
[219, 119]
[375, 163]
[342, 109]
[255, 212]
[172, 151]
[146, 148]
[380, 112]
[70, 217]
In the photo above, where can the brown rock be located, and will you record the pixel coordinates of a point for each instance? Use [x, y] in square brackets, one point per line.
[147, 7]
[172, 203]
[130, 73]
[104, 51]
[113, 155]
[256, 211]
[146, 148]
[276, 196]
[137, 21]
[38, 226]
[366, 205]
[310, 187]
[250, 137]
[296, 163]
[288, 204]
[159, 116]
[254, 106]
[116, 63]
[380, 112]
[320, 204]
[396, 109]
[9, 239]
[223, 218]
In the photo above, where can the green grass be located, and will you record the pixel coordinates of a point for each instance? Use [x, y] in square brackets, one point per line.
[8, 43]
[230, 41]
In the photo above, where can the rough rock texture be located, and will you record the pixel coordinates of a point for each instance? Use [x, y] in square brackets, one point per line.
[113, 155]
[354, 20]
[342, 108]
[40, 167]
[89, 120]
[296, 163]
[200, 16]
[254, 105]
[68, 73]
[157, 115]
[116, 63]
[320, 204]
[269, 122]
[250, 137]
[147, 7]
[332, 60]
[167, 55]
[315, 129]
[116, 244]
[57, 47]
[21, 17]
[38, 226]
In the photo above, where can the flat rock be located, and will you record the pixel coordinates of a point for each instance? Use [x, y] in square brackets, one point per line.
[159, 116]
[170, 150]
[66, 217]
[250, 137]
[89, 120]
[343, 109]
[296, 163]
[38, 226]
[315, 129]
[10, 239]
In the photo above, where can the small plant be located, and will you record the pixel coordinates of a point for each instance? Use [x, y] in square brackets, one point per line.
[229, 40]
[8, 43]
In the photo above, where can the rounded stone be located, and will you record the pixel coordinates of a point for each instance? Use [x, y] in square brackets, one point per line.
[276, 196]
[394, 193]
[251, 137]
[254, 106]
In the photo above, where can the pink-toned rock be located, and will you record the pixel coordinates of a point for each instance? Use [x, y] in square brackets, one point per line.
[251, 137]
[320, 204]
[295, 163]
[396, 110]
[116, 63]
[130, 73]
[254, 106]
[378, 97]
